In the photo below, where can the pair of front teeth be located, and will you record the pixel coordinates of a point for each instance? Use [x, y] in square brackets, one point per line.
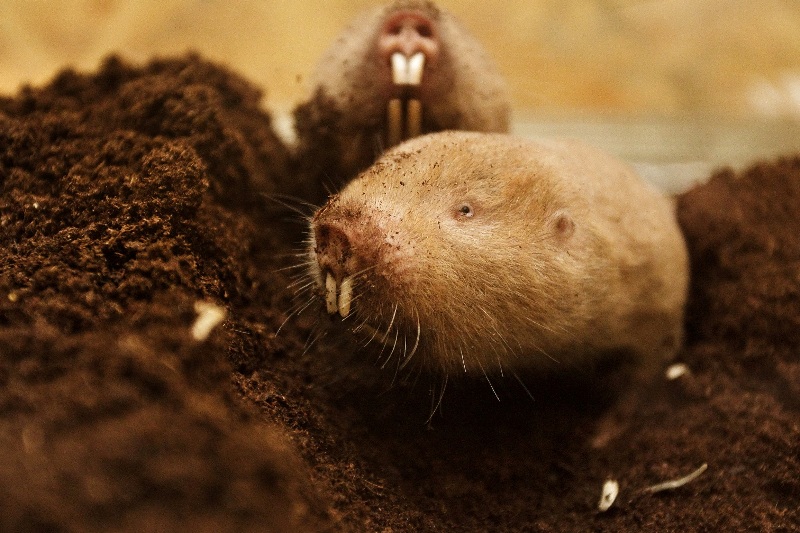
[406, 71]
[340, 303]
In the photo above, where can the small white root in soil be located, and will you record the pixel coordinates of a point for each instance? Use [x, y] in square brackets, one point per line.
[675, 483]
[609, 494]
[209, 316]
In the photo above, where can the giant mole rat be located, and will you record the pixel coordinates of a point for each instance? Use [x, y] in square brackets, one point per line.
[482, 251]
[395, 72]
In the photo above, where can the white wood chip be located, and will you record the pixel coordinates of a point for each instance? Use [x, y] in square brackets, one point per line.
[209, 316]
[609, 494]
[675, 371]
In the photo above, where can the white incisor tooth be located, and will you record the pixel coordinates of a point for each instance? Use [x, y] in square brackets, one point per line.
[399, 69]
[413, 118]
[345, 296]
[407, 71]
[330, 294]
[415, 67]
[394, 119]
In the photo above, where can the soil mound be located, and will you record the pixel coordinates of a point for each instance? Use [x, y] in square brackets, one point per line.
[130, 194]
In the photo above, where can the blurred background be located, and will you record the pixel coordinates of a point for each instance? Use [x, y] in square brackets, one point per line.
[657, 81]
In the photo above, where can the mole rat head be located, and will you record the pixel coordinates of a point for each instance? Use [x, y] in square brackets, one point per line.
[396, 72]
[435, 244]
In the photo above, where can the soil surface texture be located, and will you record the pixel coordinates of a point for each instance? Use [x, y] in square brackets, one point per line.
[132, 197]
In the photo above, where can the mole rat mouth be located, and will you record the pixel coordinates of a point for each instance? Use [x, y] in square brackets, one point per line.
[337, 260]
[409, 40]
[404, 112]
[338, 296]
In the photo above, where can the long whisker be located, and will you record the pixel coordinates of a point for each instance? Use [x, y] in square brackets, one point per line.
[540, 325]
[394, 346]
[285, 201]
[363, 270]
[306, 284]
[489, 381]
[400, 359]
[544, 352]
[301, 253]
[295, 266]
[391, 322]
[408, 357]
[300, 308]
[374, 334]
[523, 386]
[493, 325]
[439, 402]
[310, 342]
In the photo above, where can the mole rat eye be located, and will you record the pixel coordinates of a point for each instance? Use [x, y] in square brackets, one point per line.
[465, 210]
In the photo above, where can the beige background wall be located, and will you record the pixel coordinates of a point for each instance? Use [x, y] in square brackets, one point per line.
[736, 58]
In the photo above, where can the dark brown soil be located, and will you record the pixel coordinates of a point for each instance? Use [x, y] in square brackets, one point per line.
[128, 195]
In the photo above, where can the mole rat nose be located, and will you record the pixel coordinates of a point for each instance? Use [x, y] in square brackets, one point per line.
[409, 32]
[333, 249]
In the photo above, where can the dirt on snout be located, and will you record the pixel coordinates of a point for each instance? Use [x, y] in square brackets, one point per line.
[131, 194]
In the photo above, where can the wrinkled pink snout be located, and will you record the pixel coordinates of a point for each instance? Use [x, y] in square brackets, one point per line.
[409, 32]
[408, 41]
[343, 246]
[333, 250]
[335, 259]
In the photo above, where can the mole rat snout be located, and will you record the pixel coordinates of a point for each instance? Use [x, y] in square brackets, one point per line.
[333, 255]
[397, 71]
[343, 246]
[409, 37]
[333, 249]
[408, 41]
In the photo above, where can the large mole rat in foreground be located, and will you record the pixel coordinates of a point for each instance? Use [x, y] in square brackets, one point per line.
[395, 72]
[481, 252]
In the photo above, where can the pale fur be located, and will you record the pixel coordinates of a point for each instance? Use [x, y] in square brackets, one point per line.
[568, 253]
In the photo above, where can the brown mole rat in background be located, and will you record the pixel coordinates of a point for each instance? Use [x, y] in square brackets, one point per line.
[481, 252]
[395, 72]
